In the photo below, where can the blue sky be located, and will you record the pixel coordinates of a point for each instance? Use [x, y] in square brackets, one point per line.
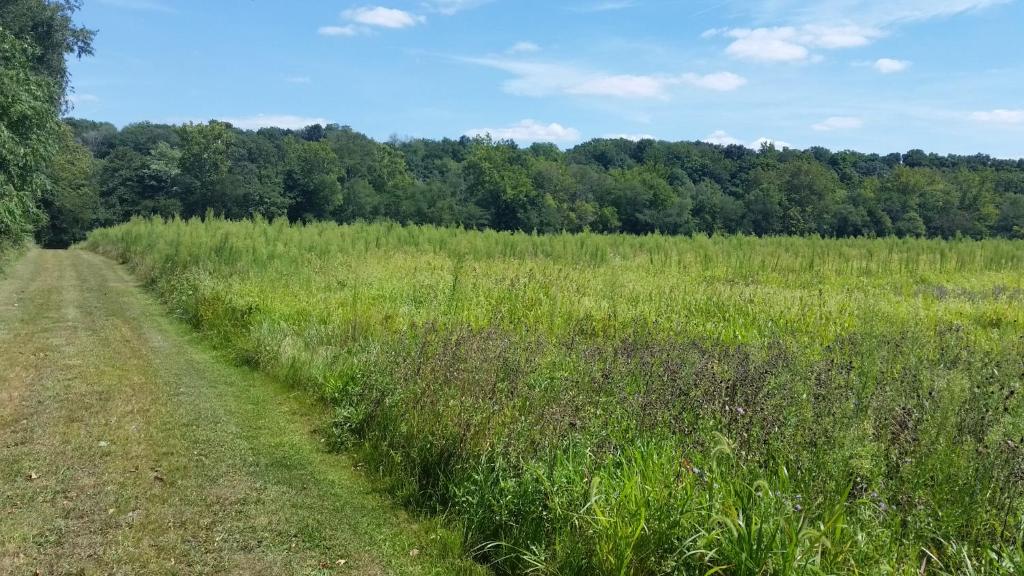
[879, 76]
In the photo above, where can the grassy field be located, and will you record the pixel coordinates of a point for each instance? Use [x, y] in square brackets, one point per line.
[609, 404]
[126, 448]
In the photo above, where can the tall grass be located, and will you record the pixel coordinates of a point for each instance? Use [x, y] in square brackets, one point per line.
[588, 404]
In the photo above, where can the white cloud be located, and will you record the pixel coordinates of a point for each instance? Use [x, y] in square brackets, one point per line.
[339, 30]
[523, 48]
[528, 131]
[364, 19]
[999, 116]
[838, 123]
[828, 25]
[723, 138]
[766, 44]
[382, 17]
[534, 78]
[622, 86]
[890, 66]
[836, 37]
[719, 81]
[274, 121]
[792, 44]
[298, 80]
[633, 137]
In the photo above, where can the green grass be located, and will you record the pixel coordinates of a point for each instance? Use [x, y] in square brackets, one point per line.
[8, 253]
[126, 448]
[637, 405]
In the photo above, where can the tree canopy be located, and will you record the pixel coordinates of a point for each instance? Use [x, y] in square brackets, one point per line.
[604, 185]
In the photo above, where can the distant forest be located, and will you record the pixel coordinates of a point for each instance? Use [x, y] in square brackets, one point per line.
[106, 176]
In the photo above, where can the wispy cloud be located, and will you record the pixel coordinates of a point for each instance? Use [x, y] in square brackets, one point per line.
[450, 7]
[621, 86]
[536, 78]
[523, 48]
[340, 30]
[532, 78]
[274, 121]
[839, 123]
[999, 116]
[528, 131]
[809, 27]
[718, 81]
[298, 80]
[875, 13]
[790, 43]
[890, 65]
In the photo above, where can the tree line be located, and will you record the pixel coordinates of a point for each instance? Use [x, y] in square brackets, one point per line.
[332, 172]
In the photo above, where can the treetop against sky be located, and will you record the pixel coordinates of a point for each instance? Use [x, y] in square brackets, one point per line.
[871, 75]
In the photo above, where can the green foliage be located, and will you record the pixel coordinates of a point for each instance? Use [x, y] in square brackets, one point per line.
[646, 203]
[47, 26]
[498, 181]
[35, 37]
[95, 136]
[587, 404]
[310, 180]
[27, 125]
[71, 201]
[1011, 217]
[679, 188]
[206, 185]
[810, 192]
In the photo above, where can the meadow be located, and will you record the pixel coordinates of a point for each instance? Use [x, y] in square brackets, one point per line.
[610, 404]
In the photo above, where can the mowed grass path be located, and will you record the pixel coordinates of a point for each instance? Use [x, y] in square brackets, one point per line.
[127, 448]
